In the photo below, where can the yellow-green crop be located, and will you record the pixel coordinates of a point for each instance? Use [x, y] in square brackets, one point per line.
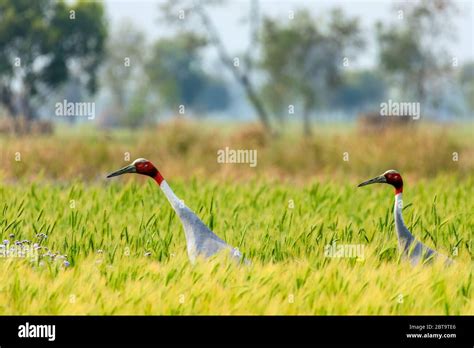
[127, 251]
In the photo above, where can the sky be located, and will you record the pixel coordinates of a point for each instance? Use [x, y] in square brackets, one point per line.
[144, 14]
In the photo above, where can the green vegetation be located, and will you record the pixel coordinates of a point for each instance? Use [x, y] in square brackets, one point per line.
[127, 250]
[289, 272]
[39, 56]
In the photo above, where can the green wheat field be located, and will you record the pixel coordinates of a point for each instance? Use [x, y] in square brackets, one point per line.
[119, 248]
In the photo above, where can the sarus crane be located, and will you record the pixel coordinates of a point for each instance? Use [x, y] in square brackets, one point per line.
[200, 240]
[411, 248]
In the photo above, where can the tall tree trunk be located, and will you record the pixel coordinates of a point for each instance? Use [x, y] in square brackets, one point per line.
[6, 99]
[240, 75]
[421, 86]
[257, 103]
[28, 112]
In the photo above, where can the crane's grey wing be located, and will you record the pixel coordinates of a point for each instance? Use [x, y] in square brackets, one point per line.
[201, 240]
[416, 251]
[199, 237]
[410, 247]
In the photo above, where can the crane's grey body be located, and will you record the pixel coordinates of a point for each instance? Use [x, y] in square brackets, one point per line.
[200, 240]
[411, 248]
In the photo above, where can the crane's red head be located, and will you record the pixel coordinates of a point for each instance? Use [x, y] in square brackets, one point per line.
[140, 166]
[391, 177]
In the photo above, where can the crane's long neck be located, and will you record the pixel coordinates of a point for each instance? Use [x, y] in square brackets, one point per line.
[403, 233]
[175, 202]
[186, 216]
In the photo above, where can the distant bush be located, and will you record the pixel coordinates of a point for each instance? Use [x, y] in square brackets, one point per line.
[22, 126]
[188, 148]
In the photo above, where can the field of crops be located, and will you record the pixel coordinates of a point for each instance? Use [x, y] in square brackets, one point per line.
[121, 249]
[114, 246]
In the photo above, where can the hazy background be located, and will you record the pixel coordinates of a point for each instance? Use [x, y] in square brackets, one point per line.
[147, 33]
[304, 83]
[227, 17]
[230, 18]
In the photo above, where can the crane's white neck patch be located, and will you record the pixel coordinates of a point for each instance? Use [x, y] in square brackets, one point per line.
[398, 203]
[399, 199]
[398, 213]
[175, 202]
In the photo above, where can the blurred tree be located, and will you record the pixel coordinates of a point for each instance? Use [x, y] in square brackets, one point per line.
[43, 43]
[214, 97]
[137, 108]
[124, 74]
[184, 12]
[466, 79]
[304, 59]
[175, 68]
[413, 53]
[359, 90]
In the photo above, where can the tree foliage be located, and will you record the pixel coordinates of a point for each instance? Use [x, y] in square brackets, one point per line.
[176, 70]
[413, 50]
[124, 75]
[304, 59]
[198, 18]
[43, 43]
[359, 90]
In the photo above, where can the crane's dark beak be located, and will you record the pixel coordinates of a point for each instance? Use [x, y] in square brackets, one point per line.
[377, 180]
[128, 169]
